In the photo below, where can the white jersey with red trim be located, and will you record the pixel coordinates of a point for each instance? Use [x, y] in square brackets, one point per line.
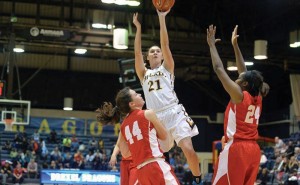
[241, 120]
[141, 137]
[158, 87]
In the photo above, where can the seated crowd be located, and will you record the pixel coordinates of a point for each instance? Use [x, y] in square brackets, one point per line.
[280, 164]
[29, 154]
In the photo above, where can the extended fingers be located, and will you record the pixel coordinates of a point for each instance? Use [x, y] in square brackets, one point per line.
[211, 30]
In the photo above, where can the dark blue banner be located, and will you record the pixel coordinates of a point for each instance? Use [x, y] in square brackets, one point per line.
[61, 125]
[79, 177]
[69, 126]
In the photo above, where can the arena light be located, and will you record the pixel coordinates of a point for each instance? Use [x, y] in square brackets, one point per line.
[133, 3]
[19, 49]
[68, 103]
[248, 63]
[231, 66]
[108, 1]
[122, 2]
[98, 22]
[295, 39]
[80, 51]
[260, 49]
[120, 38]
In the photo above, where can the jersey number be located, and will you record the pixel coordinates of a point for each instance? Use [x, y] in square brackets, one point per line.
[136, 131]
[154, 85]
[253, 113]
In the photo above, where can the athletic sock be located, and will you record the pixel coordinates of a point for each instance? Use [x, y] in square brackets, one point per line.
[167, 158]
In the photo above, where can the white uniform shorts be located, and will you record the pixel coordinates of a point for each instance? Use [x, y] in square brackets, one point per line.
[178, 124]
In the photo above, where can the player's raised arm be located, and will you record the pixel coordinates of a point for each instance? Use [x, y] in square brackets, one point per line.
[139, 61]
[233, 89]
[164, 42]
[240, 62]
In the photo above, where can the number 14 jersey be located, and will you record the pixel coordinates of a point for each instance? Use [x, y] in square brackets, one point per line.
[141, 137]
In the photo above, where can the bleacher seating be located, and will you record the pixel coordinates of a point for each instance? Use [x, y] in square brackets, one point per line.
[108, 139]
[207, 179]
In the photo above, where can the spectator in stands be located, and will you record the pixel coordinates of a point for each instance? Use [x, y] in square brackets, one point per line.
[78, 160]
[44, 149]
[292, 165]
[24, 144]
[81, 147]
[13, 154]
[34, 146]
[20, 158]
[18, 174]
[27, 157]
[17, 141]
[92, 144]
[89, 158]
[23, 134]
[32, 169]
[262, 177]
[97, 161]
[281, 169]
[53, 137]
[104, 163]
[297, 153]
[101, 145]
[283, 148]
[55, 154]
[293, 179]
[74, 143]
[53, 165]
[290, 149]
[33, 155]
[6, 171]
[36, 136]
[45, 165]
[7, 145]
[67, 160]
[67, 144]
[263, 159]
[278, 143]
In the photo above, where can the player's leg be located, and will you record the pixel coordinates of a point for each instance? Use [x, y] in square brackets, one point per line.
[192, 159]
[254, 161]
[183, 131]
[157, 173]
[133, 177]
[125, 172]
[221, 168]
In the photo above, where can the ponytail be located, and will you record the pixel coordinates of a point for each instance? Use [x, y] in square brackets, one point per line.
[107, 114]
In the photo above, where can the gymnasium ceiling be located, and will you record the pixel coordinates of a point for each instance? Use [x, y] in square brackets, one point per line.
[271, 20]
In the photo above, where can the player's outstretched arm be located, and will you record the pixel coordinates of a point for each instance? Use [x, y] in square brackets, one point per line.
[139, 61]
[232, 88]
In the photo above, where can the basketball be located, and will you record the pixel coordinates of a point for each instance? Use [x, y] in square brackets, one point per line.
[163, 5]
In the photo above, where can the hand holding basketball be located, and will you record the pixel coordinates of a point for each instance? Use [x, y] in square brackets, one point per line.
[163, 5]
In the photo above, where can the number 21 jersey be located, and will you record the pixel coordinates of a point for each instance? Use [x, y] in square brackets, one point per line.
[158, 87]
